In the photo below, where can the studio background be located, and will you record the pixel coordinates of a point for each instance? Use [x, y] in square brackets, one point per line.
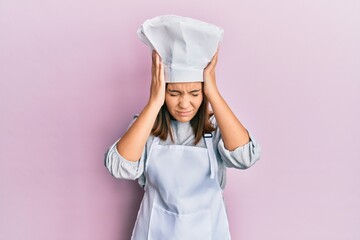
[73, 74]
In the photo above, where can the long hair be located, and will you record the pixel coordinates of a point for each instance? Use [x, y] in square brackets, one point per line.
[200, 123]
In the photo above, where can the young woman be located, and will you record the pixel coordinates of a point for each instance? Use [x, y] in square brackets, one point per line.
[179, 150]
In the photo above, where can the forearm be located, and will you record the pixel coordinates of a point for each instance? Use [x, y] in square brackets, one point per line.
[131, 145]
[233, 133]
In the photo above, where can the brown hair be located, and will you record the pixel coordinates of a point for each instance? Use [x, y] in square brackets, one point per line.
[200, 123]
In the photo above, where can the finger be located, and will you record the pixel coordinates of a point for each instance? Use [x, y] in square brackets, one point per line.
[153, 56]
[216, 58]
[216, 53]
[160, 69]
[163, 72]
[153, 59]
[212, 62]
[157, 65]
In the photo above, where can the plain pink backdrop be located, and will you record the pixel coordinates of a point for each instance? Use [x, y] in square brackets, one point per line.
[73, 73]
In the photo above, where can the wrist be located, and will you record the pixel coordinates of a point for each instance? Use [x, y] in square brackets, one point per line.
[212, 95]
[154, 104]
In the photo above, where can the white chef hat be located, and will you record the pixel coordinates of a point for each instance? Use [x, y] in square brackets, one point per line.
[185, 45]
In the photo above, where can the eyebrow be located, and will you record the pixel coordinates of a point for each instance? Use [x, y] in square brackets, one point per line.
[178, 91]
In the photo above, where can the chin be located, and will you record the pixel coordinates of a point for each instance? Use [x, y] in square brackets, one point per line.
[183, 119]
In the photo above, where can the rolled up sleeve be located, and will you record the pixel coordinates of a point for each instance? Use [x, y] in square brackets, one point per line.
[120, 167]
[243, 156]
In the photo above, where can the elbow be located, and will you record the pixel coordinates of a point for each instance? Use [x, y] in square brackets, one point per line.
[119, 167]
[252, 155]
[248, 156]
[111, 163]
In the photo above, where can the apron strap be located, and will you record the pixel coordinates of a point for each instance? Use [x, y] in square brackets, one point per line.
[211, 153]
[155, 142]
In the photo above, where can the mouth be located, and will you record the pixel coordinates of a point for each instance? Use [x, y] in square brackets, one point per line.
[184, 113]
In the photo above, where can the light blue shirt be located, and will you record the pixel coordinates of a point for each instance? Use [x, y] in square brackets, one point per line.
[241, 158]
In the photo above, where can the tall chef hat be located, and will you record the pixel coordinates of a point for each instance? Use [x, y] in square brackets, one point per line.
[185, 45]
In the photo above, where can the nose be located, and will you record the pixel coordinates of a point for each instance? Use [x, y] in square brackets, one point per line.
[184, 102]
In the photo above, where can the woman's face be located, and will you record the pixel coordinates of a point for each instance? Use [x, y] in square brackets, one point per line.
[183, 100]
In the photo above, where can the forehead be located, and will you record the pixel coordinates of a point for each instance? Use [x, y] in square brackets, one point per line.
[184, 86]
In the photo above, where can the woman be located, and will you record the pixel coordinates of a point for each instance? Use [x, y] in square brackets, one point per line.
[178, 151]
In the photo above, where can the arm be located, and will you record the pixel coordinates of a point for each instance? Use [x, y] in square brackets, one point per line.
[131, 145]
[234, 134]
[120, 167]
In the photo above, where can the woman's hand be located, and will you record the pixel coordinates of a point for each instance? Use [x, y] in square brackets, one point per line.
[233, 133]
[132, 143]
[157, 88]
[210, 87]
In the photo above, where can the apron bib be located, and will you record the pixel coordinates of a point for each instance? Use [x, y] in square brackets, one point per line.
[183, 199]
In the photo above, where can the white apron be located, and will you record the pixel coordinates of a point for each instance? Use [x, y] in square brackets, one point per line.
[183, 199]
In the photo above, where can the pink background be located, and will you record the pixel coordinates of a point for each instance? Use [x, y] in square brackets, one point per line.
[73, 73]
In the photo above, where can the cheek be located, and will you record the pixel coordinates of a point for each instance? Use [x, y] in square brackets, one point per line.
[170, 103]
[198, 102]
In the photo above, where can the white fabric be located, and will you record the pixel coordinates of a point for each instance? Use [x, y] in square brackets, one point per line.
[212, 155]
[181, 200]
[185, 45]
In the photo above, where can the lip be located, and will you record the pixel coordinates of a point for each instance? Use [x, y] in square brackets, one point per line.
[184, 114]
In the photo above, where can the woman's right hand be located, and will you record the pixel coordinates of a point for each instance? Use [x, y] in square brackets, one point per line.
[157, 88]
[132, 143]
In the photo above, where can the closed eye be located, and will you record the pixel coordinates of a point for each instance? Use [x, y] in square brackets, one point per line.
[173, 93]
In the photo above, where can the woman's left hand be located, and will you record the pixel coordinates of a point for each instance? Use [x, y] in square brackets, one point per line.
[209, 76]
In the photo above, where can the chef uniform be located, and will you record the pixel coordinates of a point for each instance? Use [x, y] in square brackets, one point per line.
[183, 199]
